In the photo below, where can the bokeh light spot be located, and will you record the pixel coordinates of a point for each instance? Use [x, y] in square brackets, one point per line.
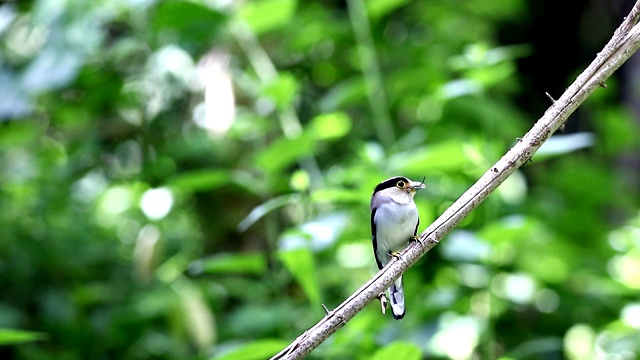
[156, 203]
[631, 315]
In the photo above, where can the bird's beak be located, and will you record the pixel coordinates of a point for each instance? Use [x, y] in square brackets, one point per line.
[417, 185]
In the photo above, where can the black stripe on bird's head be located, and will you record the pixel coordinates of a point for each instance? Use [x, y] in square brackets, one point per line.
[400, 182]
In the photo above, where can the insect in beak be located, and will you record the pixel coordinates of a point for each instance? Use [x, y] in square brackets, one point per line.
[415, 186]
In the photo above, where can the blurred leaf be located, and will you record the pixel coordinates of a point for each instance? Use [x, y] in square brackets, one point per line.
[536, 348]
[505, 9]
[15, 101]
[398, 350]
[345, 93]
[301, 264]
[259, 316]
[261, 210]
[459, 87]
[200, 180]
[552, 269]
[13, 336]
[480, 55]
[266, 15]
[513, 228]
[255, 350]
[491, 75]
[617, 131]
[563, 144]
[51, 69]
[329, 195]
[464, 245]
[317, 234]
[240, 263]
[184, 15]
[378, 8]
[283, 90]
[330, 126]
[283, 152]
[443, 156]
[491, 115]
[196, 24]
[196, 313]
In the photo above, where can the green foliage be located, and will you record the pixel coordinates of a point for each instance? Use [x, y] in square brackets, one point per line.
[191, 179]
[250, 263]
[254, 350]
[398, 350]
[301, 265]
[267, 15]
[284, 152]
[12, 336]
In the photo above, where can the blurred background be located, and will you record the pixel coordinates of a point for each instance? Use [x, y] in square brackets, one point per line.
[191, 179]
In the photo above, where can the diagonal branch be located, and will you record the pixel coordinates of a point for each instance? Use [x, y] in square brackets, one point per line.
[625, 41]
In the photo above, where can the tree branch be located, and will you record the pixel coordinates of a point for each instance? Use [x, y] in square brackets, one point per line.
[625, 41]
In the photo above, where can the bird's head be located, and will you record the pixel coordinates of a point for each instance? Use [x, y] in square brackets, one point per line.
[399, 185]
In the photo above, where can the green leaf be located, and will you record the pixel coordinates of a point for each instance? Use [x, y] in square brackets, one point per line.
[444, 156]
[255, 350]
[13, 336]
[194, 23]
[266, 15]
[283, 152]
[261, 210]
[330, 126]
[241, 263]
[398, 350]
[283, 90]
[378, 8]
[347, 92]
[200, 180]
[491, 75]
[616, 130]
[301, 264]
[183, 15]
[335, 195]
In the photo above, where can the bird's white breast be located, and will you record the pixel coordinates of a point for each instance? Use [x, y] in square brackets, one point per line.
[395, 225]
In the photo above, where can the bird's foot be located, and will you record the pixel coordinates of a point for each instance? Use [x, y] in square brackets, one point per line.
[384, 302]
[416, 238]
[394, 254]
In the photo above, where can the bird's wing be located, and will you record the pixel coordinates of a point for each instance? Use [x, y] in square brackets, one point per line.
[373, 238]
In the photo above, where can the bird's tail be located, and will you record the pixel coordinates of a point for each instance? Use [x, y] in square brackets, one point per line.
[396, 295]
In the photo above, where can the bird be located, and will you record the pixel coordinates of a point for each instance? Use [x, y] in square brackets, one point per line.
[394, 222]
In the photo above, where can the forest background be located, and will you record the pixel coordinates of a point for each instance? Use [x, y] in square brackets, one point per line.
[191, 179]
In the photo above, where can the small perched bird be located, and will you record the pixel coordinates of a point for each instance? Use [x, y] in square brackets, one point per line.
[394, 221]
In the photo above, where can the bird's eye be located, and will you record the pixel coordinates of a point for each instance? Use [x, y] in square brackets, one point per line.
[401, 184]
